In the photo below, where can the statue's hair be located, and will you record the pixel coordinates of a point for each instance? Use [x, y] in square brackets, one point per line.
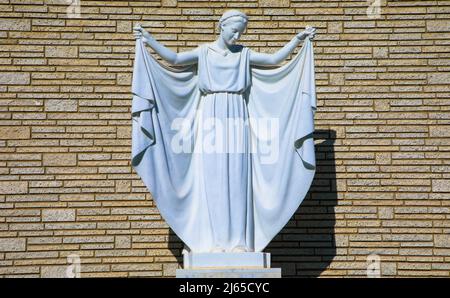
[231, 14]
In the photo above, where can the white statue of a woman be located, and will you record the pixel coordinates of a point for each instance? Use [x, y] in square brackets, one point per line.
[216, 198]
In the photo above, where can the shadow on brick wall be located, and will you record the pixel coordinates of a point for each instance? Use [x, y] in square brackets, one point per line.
[306, 245]
[176, 248]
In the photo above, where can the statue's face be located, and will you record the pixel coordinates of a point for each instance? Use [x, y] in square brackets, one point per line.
[232, 31]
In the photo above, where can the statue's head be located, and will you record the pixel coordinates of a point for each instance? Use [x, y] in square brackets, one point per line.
[231, 25]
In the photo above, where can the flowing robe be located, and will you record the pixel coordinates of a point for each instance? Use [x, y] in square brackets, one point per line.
[225, 148]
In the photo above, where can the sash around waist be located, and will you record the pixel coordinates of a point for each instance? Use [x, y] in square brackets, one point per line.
[222, 91]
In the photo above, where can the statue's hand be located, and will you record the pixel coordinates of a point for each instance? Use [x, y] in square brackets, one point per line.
[310, 32]
[140, 32]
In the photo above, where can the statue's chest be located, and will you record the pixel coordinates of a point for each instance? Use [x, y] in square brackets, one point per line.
[223, 61]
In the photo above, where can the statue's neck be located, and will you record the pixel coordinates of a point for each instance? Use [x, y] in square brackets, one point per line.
[221, 44]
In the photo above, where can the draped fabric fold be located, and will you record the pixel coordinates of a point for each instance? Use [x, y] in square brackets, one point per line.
[281, 170]
[287, 94]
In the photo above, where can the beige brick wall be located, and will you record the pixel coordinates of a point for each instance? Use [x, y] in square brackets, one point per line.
[382, 184]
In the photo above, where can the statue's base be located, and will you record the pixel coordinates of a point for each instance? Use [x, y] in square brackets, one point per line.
[227, 265]
[229, 273]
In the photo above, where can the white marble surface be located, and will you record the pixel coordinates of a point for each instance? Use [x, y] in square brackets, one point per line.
[253, 260]
[217, 198]
[229, 273]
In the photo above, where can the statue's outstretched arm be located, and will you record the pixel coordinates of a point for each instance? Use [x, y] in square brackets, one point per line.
[257, 58]
[189, 57]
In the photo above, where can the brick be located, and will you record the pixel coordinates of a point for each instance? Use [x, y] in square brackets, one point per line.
[383, 158]
[18, 271]
[123, 242]
[124, 79]
[337, 79]
[438, 25]
[58, 215]
[70, 226]
[61, 105]
[59, 159]
[334, 27]
[439, 131]
[145, 274]
[61, 51]
[439, 78]
[169, 3]
[113, 225]
[124, 26]
[123, 186]
[380, 52]
[55, 271]
[14, 132]
[135, 267]
[123, 132]
[32, 255]
[14, 78]
[13, 187]
[440, 185]
[15, 24]
[341, 240]
[170, 269]
[274, 3]
[91, 239]
[12, 244]
[97, 246]
[385, 212]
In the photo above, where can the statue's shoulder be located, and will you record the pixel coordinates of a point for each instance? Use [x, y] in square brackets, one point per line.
[205, 45]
